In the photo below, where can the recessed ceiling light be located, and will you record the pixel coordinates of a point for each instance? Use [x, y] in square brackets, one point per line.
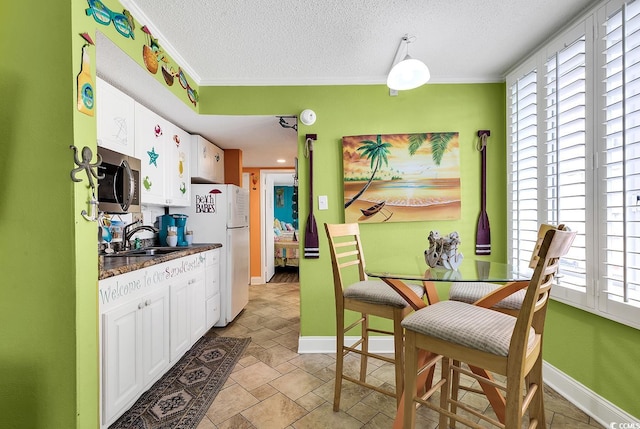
[281, 161]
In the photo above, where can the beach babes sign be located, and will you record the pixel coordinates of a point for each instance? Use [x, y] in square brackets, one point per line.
[401, 177]
[206, 203]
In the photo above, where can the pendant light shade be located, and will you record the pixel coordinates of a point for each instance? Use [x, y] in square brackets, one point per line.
[409, 73]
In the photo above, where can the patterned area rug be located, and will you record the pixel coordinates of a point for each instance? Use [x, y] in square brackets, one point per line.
[180, 399]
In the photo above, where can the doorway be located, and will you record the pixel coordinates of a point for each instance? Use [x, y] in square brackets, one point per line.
[283, 231]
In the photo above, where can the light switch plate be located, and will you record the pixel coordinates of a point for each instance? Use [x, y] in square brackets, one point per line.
[323, 203]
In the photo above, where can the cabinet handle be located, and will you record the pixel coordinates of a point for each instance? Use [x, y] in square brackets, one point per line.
[147, 302]
[141, 306]
[192, 281]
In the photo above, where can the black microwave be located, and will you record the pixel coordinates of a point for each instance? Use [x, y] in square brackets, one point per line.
[119, 190]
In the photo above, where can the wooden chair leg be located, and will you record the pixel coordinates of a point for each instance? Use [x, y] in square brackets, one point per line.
[536, 407]
[339, 358]
[513, 406]
[445, 391]
[398, 342]
[455, 388]
[410, 379]
[365, 346]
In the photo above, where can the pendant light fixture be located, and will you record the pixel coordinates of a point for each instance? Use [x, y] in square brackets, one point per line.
[409, 73]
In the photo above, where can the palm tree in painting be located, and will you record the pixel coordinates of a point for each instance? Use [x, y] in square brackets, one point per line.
[377, 152]
[439, 143]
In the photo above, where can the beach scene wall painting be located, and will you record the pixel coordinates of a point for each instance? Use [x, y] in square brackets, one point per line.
[401, 177]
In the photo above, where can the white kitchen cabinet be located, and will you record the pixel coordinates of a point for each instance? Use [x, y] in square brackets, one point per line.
[207, 161]
[149, 319]
[155, 335]
[180, 335]
[122, 359]
[152, 150]
[212, 286]
[197, 319]
[213, 310]
[135, 349]
[178, 167]
[188, 320]
[115, 119]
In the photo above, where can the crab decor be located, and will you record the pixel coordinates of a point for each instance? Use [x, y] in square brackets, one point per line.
[86, 165]
[147, 183]
[443, 251]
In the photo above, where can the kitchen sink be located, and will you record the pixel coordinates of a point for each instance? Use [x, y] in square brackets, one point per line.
[148, 251]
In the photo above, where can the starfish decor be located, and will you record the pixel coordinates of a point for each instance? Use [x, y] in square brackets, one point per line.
[153, 156]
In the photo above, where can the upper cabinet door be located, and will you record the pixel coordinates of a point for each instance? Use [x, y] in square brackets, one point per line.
[218, 164]
[207, 161]
[115, 119]
[152, 134]
[178, 172]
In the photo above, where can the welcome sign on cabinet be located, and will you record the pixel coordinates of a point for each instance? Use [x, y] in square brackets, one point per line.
[149, 319]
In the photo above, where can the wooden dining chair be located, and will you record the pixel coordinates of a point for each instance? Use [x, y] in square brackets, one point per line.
[505, 298]
[489, 342]
[354, 292]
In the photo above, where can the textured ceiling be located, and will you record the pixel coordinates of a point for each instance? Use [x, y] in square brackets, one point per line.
[294, 42]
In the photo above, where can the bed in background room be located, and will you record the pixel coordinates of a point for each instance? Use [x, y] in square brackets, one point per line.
[286, 244]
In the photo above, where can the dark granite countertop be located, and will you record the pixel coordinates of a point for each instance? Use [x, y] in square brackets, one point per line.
[112, 266]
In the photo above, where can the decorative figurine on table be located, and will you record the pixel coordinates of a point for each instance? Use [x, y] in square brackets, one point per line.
[443, 251]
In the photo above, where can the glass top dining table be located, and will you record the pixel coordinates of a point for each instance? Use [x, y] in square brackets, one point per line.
[415, 268]
[470, 270]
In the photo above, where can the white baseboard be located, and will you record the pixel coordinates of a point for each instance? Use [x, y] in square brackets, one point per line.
[603, 411]
[256, 281]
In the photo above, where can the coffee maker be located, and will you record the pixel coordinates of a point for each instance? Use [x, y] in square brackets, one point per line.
[170, 221]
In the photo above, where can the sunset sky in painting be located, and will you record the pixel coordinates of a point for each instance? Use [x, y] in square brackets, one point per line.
[401, 163]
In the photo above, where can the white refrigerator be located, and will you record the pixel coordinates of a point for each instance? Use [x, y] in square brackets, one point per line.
[220, 214]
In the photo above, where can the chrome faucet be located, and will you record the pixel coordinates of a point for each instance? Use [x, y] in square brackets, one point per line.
[128, 233]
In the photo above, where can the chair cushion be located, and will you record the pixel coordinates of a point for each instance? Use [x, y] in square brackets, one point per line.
[470, 292]
[378, 292]
[467, 325]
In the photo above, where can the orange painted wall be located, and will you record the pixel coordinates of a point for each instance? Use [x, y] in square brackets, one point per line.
[254, 220]
[233, 166]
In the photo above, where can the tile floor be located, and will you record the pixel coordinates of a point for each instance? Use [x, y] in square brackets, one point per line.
[274, 387]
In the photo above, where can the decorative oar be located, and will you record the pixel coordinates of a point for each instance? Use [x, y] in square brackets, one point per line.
[483, 234]
[311, 241]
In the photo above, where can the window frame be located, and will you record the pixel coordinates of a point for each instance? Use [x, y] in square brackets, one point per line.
[593, 298]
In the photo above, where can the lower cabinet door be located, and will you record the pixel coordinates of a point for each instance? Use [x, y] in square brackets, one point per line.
[198, 322]
[180, 338]
[122, 378]
[213, 310]
[155, 335]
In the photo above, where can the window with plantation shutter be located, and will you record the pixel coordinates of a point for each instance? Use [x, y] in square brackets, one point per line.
[620, 172]
[523, 183]
[565, 155]
[574, 157]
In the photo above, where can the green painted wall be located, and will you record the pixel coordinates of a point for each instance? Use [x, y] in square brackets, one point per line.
[353, 110]
[601, 354]
[48, 310]
[38, 325]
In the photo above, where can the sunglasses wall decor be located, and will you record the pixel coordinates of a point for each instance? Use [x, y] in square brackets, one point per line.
[123, 22]
[152, 55]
